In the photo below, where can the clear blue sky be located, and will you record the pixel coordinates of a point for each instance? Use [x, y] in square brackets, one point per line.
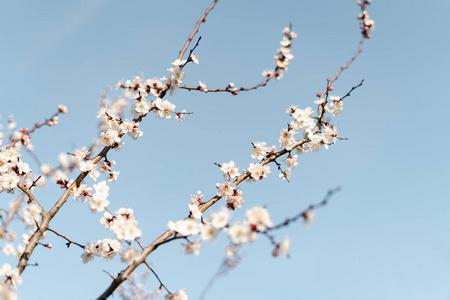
[385, 236]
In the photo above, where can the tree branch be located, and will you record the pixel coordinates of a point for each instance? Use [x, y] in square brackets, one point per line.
[191, 36]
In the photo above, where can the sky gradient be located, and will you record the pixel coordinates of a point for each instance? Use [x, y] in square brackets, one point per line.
[384, 236]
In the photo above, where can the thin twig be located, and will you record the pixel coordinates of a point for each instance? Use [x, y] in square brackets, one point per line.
[15, 206]
[30, 195]
[352, 89]
[36, 126]
[304, 214]
[233, 91]
[68, 240]
[165, 236]
[161, 285]
[270, 158]
[197, 25]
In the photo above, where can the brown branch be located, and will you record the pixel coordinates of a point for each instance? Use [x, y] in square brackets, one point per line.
[161, 285]
[36, 126]
[15, 206]
[162, 239]
[304, 213]
[270, 158]
[352, 89]
[358, 51]
[233, 91]
[48, 216]
[30, 195]
[191, 36]
[191, 51]
[68, 241]
[165, 236]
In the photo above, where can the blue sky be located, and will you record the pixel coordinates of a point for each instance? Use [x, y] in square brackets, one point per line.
[385, 236]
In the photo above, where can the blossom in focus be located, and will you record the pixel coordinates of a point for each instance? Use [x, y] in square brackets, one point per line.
[258, 171]
[109, 137]
[140, 108]
[99, 200]
[230, 170]
[226, 189]
[260, 150]
[165, 108]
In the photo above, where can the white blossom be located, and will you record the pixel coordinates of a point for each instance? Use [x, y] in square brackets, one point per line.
[125, 228]
[31, 214]
[195, 211]
[259, 217]
[192, 248]
[209, 232]
[336, 106]
[185, 227]
[165, 108]
[178, 295]
[258, 171]
[129, 255]
[110, 137]
[240, 232]
[230, 170]
[285, 247]
[226, 189]
[11, 273]
[219, 219]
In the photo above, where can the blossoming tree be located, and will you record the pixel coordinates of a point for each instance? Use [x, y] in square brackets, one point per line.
[85, 174]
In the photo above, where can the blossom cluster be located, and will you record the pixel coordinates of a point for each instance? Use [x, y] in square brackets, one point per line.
[230, 193]
[208, 229]
[241, 232]
[228, 190]
[11, 274]
[147, 96]
[367, 24]
[114, 125]
[284, 55]
[11, 278]
[9, 249]
[126, 229]
[106, 248]
[123, 224]
[12, 169]
[178, 295]
[99, 199]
